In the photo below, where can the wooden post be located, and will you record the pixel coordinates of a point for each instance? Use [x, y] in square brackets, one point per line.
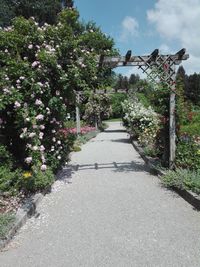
[78, 122]
[172, 122]
[96, 124]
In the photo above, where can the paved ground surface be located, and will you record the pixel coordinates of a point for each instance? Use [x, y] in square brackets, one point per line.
[108, 211]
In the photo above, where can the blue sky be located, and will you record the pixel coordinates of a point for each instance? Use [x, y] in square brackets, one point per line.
[143, 25]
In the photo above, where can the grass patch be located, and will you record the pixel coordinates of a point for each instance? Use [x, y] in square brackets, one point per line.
[191, 129]
[183, 179]
[6, 220]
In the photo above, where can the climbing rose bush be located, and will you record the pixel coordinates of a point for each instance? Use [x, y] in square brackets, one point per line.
[143, 122]
[40, 69]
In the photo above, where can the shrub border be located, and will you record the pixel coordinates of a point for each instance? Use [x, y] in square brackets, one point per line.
[187, 195]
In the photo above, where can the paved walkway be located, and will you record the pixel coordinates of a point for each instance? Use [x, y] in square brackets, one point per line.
[108, 211]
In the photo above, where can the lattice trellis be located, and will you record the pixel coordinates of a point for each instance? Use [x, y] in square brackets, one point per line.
[155, 66]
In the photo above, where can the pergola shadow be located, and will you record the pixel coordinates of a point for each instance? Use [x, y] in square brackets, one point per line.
[115, 131]
[67, 173]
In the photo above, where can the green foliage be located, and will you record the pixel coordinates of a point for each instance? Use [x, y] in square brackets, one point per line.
[7, 12]
[123, 82]
[188, 153]
[191, 125]
[143, 99]
[5, 157]
[43, 11]
[191, 129]
[151, 151]
[39, 180]
[76, 148]
[6, 221]
[9, 180]
[116, 103]
[183, 179]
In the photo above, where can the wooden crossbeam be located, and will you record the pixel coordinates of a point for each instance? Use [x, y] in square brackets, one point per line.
[138, 61]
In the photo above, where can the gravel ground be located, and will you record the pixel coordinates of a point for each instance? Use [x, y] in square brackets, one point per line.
[107, 210]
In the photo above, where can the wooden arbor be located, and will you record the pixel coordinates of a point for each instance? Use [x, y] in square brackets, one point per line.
[156, 67]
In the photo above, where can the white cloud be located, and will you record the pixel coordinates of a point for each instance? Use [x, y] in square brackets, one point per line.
[192, 64]
[178, 20]
[130, 28]
[164, 49]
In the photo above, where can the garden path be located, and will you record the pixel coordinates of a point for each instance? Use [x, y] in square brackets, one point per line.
[107, 210]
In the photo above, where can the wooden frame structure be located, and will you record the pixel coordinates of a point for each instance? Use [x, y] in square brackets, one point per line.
[157, 68]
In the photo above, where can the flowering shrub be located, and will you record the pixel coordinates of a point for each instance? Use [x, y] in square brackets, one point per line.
[97, 107]
[143, 122]
[40, 69]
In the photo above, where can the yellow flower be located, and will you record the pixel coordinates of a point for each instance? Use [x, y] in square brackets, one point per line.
[27, 174]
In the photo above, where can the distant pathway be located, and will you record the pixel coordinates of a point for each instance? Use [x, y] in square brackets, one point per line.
[108, 211]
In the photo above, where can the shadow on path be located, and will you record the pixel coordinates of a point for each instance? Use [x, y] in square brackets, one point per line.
[114, 131]
[132, 166]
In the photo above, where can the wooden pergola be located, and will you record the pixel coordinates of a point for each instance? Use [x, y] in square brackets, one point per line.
[157, 68]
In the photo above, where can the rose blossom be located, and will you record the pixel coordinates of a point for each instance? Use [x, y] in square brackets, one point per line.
[30, 46]
[28, 160]
[31, 135]
[43, 159]
[38, 102]
[42, 127]
[35, 63]
[41, 135]
[17, 104]
[43, 167]
[40, 84]
[39, 117]
[42, 148]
